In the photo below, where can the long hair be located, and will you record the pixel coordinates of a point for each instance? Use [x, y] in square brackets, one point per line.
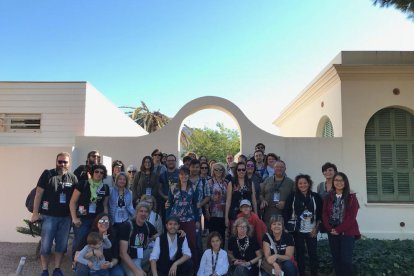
[94, 227]
[242, 221]
[142, 168]
[347, 190]
[307, 178]
[247, 181]
[185, 170]
[218, 166]
[126, 179]
[211, 236]
[149, 197]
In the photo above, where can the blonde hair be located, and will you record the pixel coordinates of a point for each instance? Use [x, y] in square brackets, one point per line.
[126, 179]
[149, 197]
[240, 221]
[221, 166]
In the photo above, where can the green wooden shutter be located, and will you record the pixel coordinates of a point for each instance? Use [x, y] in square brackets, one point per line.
[328, 129]
[389, 154]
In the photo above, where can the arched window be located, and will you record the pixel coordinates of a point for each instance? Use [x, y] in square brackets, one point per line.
[328, 129]
[389, 155]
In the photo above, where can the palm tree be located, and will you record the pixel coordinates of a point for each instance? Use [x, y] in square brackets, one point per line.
[152, 121]
[406, 6]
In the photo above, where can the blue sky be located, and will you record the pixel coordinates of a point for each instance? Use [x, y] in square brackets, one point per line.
[258, 54]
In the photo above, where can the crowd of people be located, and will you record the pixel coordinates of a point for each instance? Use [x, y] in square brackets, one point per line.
[152, 220]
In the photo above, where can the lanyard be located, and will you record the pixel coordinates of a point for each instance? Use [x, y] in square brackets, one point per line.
[214, 264]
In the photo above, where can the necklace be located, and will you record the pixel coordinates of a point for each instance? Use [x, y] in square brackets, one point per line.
[243, 248]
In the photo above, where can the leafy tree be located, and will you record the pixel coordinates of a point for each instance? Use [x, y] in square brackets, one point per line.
[406, 6]
[215, 144]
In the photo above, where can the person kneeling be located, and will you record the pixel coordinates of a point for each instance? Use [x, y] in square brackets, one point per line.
[171, 254]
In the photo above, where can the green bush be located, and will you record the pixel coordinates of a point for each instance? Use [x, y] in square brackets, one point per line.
[374, 257]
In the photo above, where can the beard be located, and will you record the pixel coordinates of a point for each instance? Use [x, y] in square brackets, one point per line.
[61, 170]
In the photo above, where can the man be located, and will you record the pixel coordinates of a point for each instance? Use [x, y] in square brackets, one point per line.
[84, 172]
[132, 170]
[274, 191]
[260, 165]
[258, 225]
[229, 160]
[51, 205]
[186, 161]
[159, 168]
[260, 146]
[171, 254]
[134, 238]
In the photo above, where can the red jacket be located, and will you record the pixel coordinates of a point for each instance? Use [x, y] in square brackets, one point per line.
[258, 225]
[349, 225]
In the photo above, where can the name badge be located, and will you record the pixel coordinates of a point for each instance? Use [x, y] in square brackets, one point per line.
[148, 191]
[276, 197]
[45, 205]
[62, 198]
[92, 208]
[140, 252]
[67, 184]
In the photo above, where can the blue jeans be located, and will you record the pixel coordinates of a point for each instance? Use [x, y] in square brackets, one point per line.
[311, 246]
[342, 248]
[288, 268]
[54, 229]
[82, 270]
[80, 233]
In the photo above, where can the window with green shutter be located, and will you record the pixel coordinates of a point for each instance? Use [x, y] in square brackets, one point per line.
[389, 155]
[328, 129]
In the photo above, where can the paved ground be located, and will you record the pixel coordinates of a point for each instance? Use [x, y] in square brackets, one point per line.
[10, 254]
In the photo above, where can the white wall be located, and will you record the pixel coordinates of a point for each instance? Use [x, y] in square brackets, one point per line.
[61, 106]
[103, 118]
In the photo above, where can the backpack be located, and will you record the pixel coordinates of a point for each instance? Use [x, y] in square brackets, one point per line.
[31, 196]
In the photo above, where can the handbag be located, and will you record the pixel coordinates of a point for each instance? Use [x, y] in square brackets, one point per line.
[291, 224]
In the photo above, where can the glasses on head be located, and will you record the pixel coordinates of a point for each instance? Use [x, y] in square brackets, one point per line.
[218, 170]
[62, 162]
[241, 170]
[204, 168]
[102, 221]
[132, 171]
[99, 171]
[250, 165]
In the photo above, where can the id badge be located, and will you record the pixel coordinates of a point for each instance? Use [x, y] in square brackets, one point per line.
[148, 191]
[45, 205]
[92, 208]
[273, 272]
[276, 197]
[140, 253]
[62, 198]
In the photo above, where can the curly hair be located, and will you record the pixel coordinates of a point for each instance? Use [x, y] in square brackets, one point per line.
[240, 221]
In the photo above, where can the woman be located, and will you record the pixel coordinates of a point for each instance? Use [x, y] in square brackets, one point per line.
[242, 158]
[305, 207]
[120, 201]
[243, 250]
[182, 202]
[328, 171]
[278, 249]
[101, 224]
[203, 158]
[270, 161]
[211, 164]
[214, 261]
[254, 178]
[89, 198]
[117, 167]
[145, 181]
[153, 217]
[240, 188]
[340, 209]
[215, 210]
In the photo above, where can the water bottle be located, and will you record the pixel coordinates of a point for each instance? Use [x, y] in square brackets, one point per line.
[21, 265]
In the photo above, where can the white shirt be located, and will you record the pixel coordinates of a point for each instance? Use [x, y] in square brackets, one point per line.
[172, 248]
[206, 265]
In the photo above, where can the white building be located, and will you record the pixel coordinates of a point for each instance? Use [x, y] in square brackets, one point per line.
[363, 100]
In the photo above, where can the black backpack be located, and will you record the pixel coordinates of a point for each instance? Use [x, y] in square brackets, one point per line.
[31, 196]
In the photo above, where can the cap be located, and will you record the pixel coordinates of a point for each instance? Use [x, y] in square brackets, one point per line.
[245, 202]
[132, 168]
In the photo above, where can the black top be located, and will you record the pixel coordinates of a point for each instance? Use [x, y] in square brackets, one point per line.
[84, 201]
[58, 190]
[303, 203]
[237, 249]
[285, 240]
[164, 262]
[237, 196]
[138, 237]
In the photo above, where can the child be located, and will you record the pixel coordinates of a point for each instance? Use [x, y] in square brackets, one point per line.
[214, 261]
[92, 254]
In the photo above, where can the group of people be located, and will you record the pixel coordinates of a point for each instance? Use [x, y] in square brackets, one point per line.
[153, 220]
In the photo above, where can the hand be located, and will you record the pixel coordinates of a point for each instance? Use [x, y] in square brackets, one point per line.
[140, 273]
[90, 264]
[246, 264]
[105, 265]
[333, 232]
[263, 204]
[77, 222]
[314, 232]
[167, 204]
[238, 262]
[98, 254]
[226, 221]
[278, 271]
[35, 217]
[173, 270]
[181, 233]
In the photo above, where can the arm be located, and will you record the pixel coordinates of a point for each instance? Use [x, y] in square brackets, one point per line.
[36, 204]
[72, 205]
[186, 255]
[105, 204]
[326, 213]
[202, 269]
[228, 202]
[350, 216]
[263, 201]
[81, 256]
[254, 201]
[163, 182]
[255, 260]
[223, 263]
[155, 255]
[106, 242]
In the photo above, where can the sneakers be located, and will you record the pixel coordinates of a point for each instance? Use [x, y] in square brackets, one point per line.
[57, 272]
[45, 273]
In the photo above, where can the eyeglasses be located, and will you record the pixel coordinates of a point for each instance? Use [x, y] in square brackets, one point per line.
[338, 180]
[132, 171]
[99, 171]
[250, 165]
[218, 170]
[241, 170]
[94, 156]
[102, 221]
[242, 226]
[158, 154]
[62, 162]
[204, 168]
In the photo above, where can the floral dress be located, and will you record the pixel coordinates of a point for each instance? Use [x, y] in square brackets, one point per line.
[184, 204]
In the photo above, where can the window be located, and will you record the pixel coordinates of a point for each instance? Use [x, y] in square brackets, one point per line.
[389, 155]
[19, 122]
[328, 129]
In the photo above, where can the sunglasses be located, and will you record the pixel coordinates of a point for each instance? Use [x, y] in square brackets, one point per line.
[241, 170]
[132, 171]
[204, 168]
[218, 170]
[100, 172]
[158, 154]
[101, 221]
[62, 162]
[250, 165]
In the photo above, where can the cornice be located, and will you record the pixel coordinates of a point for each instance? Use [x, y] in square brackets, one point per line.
[375, 72]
